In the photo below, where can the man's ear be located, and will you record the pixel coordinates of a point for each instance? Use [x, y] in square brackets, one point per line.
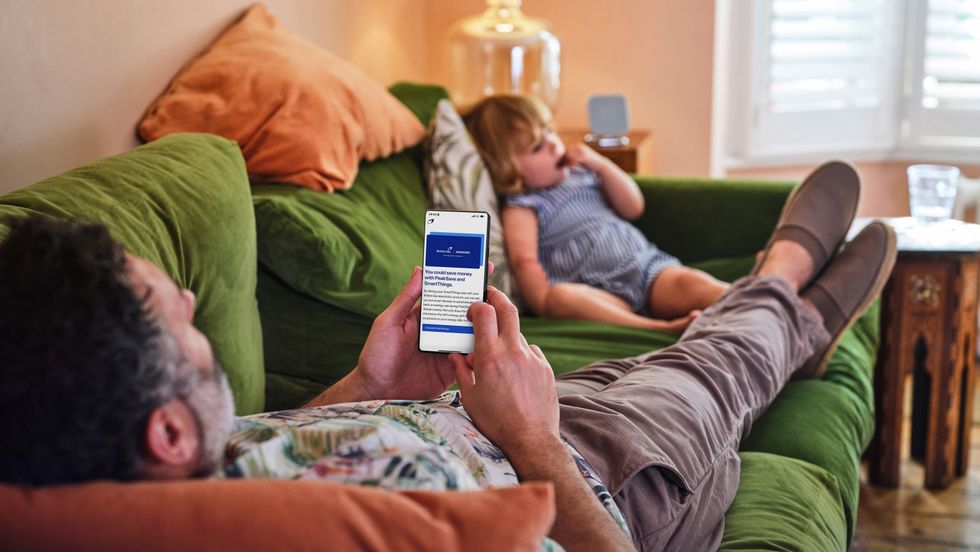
[173, 445]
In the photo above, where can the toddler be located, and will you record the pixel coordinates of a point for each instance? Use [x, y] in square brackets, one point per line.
[565, 226]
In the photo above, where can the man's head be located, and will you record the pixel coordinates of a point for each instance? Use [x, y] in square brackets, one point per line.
[102, 373]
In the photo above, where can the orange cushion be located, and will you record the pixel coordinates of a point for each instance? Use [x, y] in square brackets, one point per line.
[300, 114]
[267, 514]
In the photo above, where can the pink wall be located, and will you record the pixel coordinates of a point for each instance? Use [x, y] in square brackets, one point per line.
[75, 77]
[82, 77]
[658, 54]
[885, 191]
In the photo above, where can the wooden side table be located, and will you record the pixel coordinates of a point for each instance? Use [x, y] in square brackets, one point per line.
[623, 156]
[929, 332]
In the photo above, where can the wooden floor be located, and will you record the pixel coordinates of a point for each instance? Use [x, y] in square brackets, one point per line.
[912, 518]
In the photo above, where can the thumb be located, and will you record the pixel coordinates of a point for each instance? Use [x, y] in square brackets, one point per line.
[464, 374]
[401, 305]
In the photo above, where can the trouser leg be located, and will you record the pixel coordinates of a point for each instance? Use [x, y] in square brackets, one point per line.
[663, 429]
[594, 377]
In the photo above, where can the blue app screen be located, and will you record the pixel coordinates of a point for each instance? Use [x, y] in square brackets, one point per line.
[454, 277]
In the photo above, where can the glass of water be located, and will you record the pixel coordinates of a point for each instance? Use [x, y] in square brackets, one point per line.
[932, 191]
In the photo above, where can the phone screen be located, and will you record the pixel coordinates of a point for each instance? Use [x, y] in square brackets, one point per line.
[454, 276]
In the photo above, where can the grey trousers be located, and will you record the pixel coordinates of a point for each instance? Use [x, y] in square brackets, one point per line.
[663, 429]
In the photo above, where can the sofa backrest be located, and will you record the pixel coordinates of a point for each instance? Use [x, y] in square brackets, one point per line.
[183, 203]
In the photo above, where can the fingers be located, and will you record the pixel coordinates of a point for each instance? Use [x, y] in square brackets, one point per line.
[679, 324]
[484, 320]
[494, 320]
[411, 323]
[464, 373]
[571, 157]
[490, 268]
[508, 321]
[402, 304]
[576, 154]
[538, 352]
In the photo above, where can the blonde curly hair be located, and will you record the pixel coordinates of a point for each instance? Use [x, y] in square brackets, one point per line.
[500, 126]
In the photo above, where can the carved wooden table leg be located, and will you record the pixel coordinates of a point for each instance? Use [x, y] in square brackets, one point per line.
[966, 356]
[931, 286]
[929, 329]
[884, 453]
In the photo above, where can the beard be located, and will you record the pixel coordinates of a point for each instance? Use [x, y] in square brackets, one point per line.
[212, 404]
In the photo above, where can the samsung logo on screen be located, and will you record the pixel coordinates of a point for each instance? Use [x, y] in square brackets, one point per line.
[449, 251]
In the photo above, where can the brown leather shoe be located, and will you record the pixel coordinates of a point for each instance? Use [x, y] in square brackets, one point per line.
[849, 284]
[818, 213]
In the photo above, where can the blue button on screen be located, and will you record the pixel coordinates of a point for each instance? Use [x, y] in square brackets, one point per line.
[446, 328]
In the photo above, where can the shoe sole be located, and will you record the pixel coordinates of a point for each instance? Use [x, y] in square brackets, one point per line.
[884, 272]
[790, 201]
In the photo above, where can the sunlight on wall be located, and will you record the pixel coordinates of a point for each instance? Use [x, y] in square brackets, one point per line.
[77, 79]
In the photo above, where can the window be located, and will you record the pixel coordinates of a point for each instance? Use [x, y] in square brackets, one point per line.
[865, 78]
[944, 75]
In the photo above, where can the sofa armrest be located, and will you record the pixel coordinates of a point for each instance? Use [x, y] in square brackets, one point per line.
[696, 219]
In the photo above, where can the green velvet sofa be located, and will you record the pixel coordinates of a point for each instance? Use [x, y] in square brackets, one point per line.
[289, 280]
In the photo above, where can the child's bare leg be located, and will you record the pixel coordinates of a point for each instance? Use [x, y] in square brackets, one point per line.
[678, 290]
[583, 302]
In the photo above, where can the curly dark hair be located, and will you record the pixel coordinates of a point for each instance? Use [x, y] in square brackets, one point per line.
[82, 361]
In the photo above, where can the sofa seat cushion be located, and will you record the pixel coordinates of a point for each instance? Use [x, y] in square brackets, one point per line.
[784, 504]
[571, 344]
[828, 422]
[311, 343]
[183, 203]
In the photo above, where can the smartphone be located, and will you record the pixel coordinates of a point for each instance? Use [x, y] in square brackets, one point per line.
[454, 276]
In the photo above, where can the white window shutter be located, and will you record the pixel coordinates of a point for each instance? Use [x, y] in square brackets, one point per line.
[824, 77]
[944, 77]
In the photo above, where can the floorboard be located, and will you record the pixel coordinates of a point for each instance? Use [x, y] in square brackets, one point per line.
[913, 518]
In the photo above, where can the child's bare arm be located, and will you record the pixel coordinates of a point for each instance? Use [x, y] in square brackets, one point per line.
[521, 236]
[620, 191]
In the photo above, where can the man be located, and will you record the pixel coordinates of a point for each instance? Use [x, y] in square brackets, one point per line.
[99, 357]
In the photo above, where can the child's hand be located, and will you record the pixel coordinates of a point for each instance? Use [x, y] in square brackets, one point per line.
[584, 156]
[677, 325]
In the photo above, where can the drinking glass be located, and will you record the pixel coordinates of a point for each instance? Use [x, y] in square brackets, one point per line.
[932, 191]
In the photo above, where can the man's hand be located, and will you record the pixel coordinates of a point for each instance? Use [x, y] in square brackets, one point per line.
[509, 392]
[508, 386]
[391, 365]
